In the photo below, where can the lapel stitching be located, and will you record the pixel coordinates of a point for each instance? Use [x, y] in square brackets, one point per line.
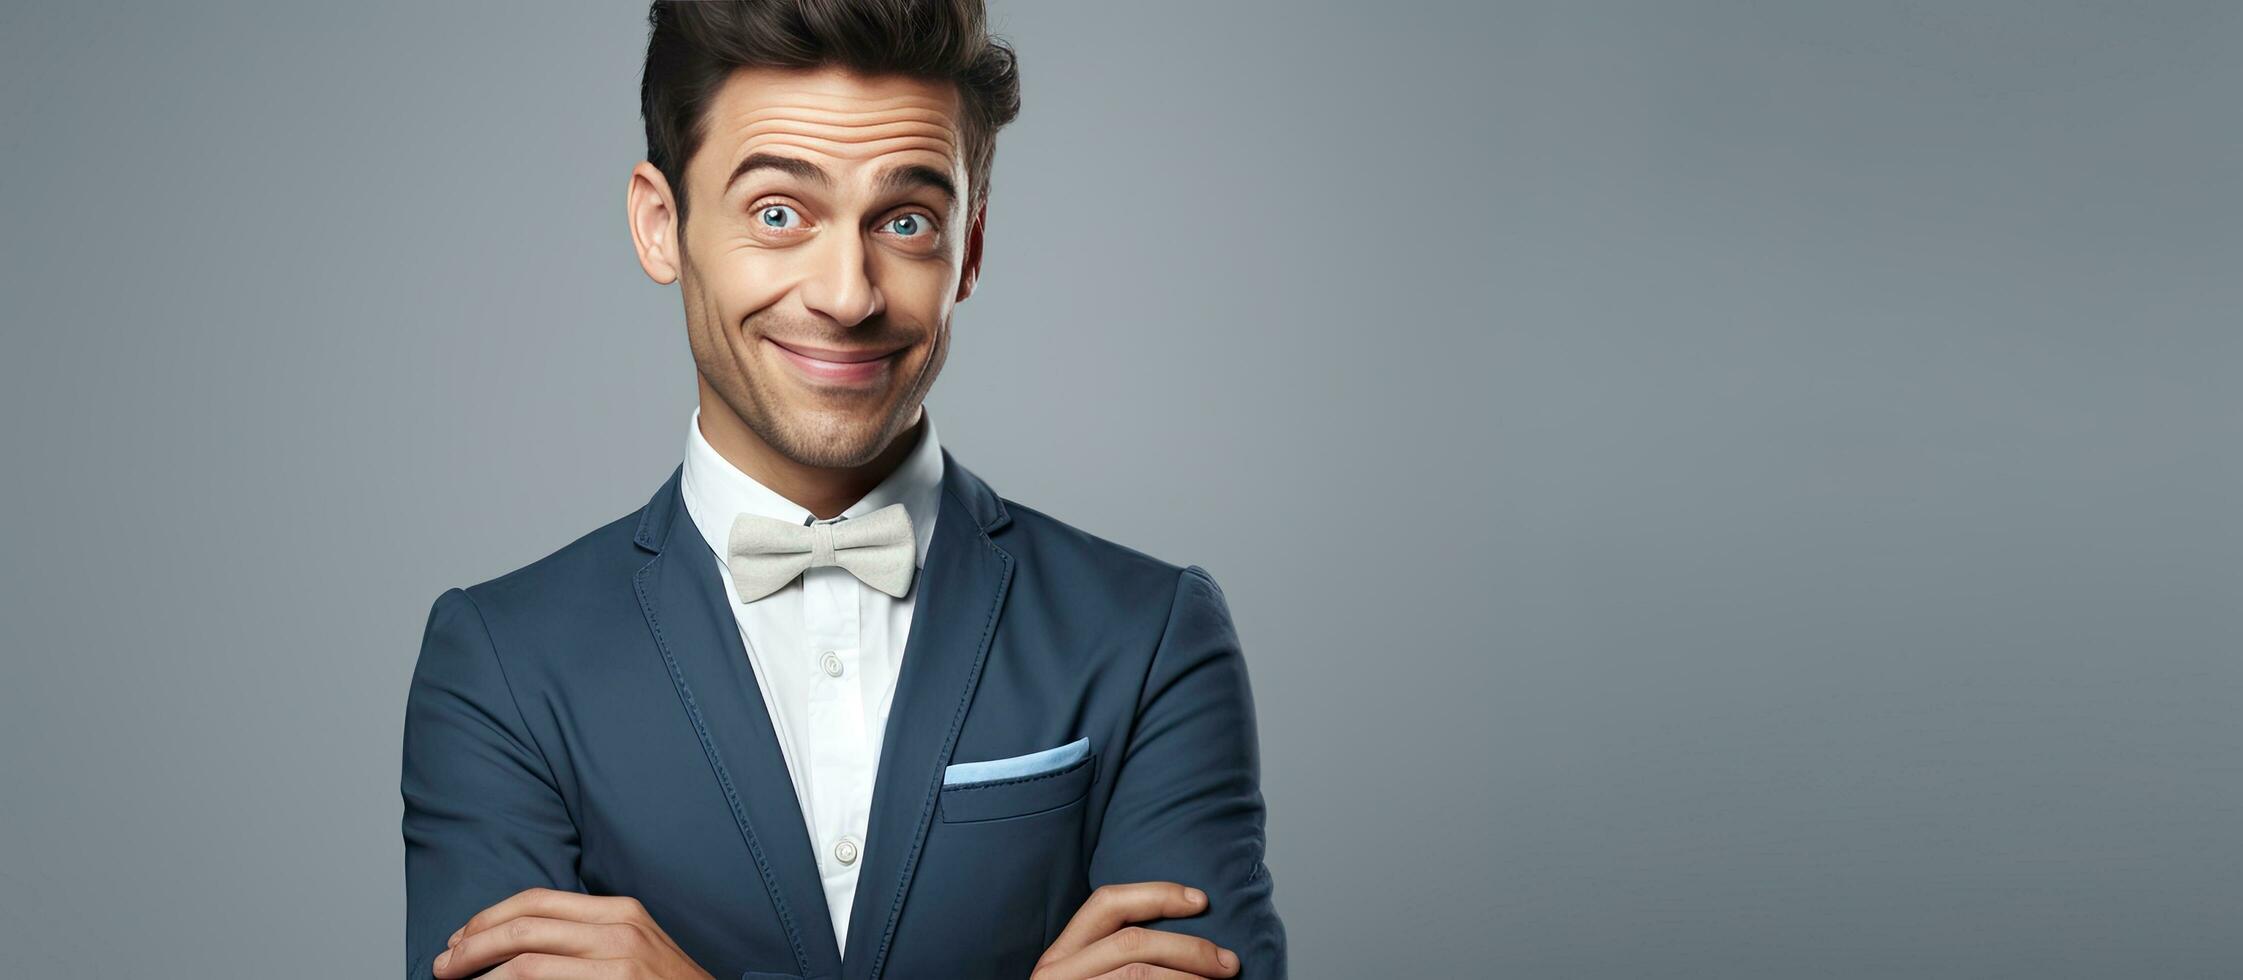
[950, 738]
[716, 761]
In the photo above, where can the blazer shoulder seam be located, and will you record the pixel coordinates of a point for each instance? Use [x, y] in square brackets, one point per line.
[1167, 621]
[490, 641]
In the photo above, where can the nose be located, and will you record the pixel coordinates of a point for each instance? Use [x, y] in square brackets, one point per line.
[839, 284]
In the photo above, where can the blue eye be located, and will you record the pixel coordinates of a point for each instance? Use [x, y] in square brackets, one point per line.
[908, 225]
[775, 216]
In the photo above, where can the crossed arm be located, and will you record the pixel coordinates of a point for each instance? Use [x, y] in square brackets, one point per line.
[491, 850]
[1187, 803]
[484, 817]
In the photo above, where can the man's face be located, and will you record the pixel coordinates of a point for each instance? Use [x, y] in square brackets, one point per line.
[826, 243]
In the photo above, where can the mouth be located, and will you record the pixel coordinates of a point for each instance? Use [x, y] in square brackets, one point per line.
[847, 368]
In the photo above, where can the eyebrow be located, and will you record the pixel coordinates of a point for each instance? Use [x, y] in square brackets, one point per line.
[893, 179]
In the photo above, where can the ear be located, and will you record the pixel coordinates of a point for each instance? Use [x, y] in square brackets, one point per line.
[973, 252]
[652, 214]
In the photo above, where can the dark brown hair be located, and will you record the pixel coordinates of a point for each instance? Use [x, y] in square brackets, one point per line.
[693, 46]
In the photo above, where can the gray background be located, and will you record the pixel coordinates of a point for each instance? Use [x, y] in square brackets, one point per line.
[1780, 459]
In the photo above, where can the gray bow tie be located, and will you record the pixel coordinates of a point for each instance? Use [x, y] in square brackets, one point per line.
[766, 553]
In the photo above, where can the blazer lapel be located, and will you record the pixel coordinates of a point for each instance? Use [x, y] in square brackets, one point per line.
[683, 599]
[959, 594]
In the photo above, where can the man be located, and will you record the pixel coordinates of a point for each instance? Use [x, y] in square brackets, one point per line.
[828, 705]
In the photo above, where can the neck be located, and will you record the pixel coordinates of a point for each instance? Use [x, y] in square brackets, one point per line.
[824, 491]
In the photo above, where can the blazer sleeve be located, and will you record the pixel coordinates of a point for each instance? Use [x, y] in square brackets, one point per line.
[1187, 802]
[484, 817]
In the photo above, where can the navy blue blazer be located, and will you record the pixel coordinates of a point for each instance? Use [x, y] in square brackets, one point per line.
[590, 722]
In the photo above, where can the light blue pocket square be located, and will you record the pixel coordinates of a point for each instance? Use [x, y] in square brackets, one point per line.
[1032, 764]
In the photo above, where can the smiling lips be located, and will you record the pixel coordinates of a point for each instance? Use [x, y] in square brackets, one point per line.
[856, 368]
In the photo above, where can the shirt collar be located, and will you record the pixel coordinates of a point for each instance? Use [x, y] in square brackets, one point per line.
[715, 490]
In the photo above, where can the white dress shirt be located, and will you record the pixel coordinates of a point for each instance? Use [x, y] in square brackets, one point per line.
[826, 648]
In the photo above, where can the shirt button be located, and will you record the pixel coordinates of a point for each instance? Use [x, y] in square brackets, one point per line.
[832, 663]
[845, 850]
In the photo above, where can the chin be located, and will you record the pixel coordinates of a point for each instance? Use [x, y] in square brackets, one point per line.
[828, 437]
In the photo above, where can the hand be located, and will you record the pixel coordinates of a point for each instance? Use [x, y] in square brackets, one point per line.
[545, 933]
[1096, 944]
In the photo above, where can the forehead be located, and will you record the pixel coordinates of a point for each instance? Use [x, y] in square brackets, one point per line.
[841, 119]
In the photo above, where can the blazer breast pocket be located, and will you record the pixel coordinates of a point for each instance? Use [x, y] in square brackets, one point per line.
[1018, 786]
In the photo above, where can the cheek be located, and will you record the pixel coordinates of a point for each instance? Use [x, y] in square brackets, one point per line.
[918, 291]
[747, 281]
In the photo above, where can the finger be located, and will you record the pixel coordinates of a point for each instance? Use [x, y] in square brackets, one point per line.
[1113, 906]
[1147, 973]
[544, 966]
[1151, 947]
[553, 904]
[535, 934]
